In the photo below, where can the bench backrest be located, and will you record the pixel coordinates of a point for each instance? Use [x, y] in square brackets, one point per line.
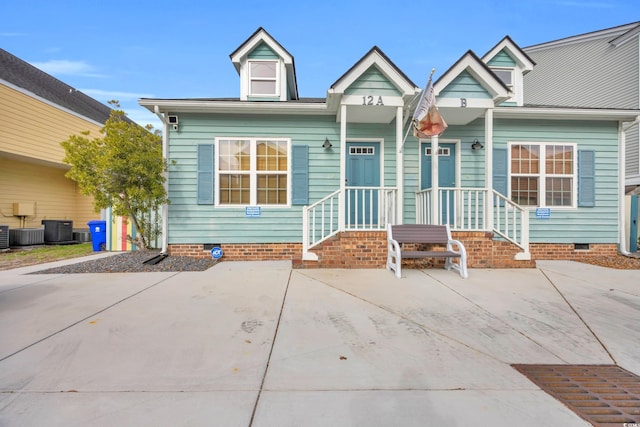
[419, 233]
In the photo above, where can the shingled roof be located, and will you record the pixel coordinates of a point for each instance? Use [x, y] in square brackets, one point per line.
[24, 75]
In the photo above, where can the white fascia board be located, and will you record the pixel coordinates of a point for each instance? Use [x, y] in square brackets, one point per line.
[471, 103]
[236, 107]
[565, 113]
[609, 32]
[478, 71]
[629, 35]
[389, 101]
[384, 67]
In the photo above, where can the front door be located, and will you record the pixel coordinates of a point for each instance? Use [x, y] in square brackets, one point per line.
[363, 170]
[446, 175]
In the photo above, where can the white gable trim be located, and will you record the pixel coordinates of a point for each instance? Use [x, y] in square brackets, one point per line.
[524, 63]
[259, 37]
[480, 72]
[374, 58]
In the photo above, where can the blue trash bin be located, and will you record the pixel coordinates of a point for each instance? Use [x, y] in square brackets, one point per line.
[98, 234]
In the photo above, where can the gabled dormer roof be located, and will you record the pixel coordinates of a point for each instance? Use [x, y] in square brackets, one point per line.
[260, 36]
[375, 57]
[471, 63]
[467, 89]
[508, 46]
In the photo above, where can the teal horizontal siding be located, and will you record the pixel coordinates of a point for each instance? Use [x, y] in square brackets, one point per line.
[597, 224]
[371, 82]
[465, 86]
[192, 223]
[502, 59]
[262, 51]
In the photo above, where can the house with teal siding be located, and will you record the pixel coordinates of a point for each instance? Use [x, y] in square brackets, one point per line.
[273, 175]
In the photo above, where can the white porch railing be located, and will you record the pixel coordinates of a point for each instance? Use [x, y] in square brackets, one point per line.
[359, 208]
[466, 209]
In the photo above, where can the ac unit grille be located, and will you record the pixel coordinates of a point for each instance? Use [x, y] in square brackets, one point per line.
[4, 237]
[26, 236]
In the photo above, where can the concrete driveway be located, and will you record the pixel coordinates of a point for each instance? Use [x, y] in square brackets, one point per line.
[260, 344]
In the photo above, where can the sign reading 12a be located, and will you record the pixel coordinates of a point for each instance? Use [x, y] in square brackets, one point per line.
[368, 100]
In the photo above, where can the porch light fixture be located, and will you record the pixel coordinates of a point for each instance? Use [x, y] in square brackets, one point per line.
[327, 144]
[476, 145]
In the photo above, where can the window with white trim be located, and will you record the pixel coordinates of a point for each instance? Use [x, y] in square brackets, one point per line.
[253, 171]
[263, 78]
[543, 174]
[507, 76]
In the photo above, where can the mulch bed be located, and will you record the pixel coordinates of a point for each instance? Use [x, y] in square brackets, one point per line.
[619, 262]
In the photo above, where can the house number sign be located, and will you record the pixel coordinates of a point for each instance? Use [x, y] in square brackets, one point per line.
[371, 100]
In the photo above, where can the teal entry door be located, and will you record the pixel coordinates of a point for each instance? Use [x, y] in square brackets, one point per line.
[363, 170]
[446, 175]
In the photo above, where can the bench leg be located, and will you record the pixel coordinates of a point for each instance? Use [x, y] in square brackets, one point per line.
[394, 266]
[460, 267]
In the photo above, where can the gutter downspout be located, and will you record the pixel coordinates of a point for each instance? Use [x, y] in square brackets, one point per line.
[165, 207]
[622, 243]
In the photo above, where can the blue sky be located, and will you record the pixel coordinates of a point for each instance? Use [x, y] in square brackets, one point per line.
[125, 50]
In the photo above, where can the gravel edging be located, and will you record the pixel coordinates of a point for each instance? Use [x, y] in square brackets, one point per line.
[132, 262]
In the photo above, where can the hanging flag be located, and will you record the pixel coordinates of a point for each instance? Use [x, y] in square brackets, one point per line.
[427, 121]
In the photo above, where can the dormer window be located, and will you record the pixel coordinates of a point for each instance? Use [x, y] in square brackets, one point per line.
[266, 69]
[506, 76]
[509, 63]
[263, 78]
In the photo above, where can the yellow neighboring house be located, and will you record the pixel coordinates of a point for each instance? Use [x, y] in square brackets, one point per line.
[38, 112]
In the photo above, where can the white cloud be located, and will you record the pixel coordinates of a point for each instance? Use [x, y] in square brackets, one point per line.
[8, 34]
[113, 94]
[65, 67]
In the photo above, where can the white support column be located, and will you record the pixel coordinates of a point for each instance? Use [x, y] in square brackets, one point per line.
[343, 166]
[399, 167]
[435, 185]
[622, 207]
[488, 168]
[164, 212]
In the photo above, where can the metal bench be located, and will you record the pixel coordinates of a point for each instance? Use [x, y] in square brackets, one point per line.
[399, 235]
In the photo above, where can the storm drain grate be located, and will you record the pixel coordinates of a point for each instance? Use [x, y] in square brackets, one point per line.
[604, 395]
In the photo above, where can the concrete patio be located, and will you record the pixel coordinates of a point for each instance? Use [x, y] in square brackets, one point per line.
[260, 344]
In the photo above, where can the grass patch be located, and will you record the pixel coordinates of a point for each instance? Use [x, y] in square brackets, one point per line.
[40, 254]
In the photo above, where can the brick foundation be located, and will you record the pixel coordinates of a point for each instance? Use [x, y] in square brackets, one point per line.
[368, 249]
[242, 251]
[560, 251]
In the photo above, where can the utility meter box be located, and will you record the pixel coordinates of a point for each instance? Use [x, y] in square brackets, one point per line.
[23, 209]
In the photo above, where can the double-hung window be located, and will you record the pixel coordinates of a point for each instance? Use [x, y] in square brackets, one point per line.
[263, 78]
[253, 171]
[506, 75]
[543, 174]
